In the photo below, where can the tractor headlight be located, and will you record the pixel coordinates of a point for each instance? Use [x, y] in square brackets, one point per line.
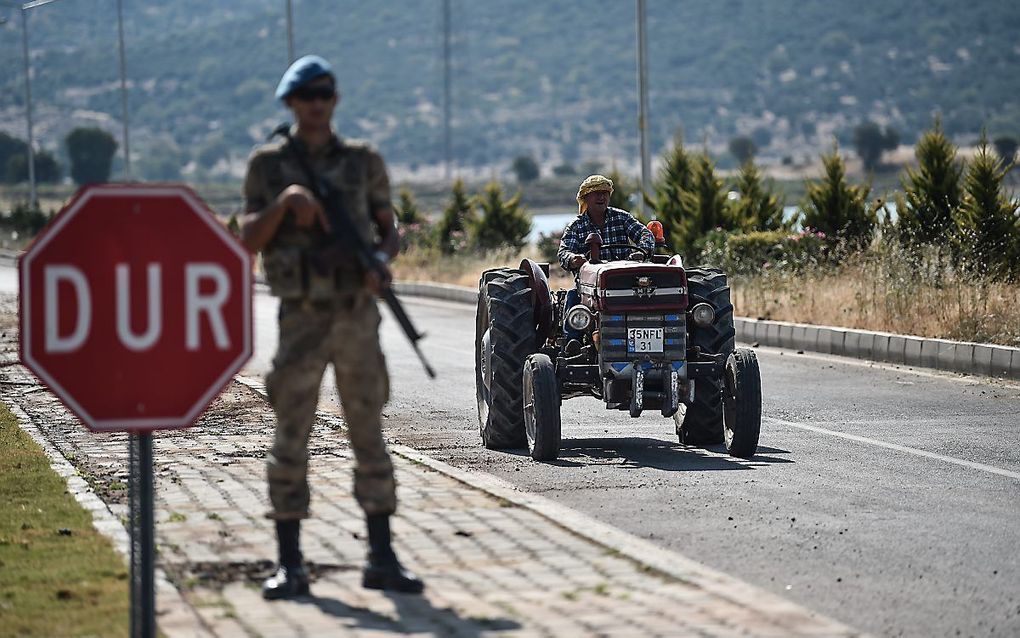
[703, 314]
[579, 318]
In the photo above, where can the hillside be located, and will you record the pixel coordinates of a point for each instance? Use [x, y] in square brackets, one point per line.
[553, 79]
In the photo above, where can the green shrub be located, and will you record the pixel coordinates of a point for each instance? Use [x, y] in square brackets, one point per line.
[451, 231]
[761, 251]
[548, 246]
[988, 236]
[503, 223]
[837, 208]
[931, 192]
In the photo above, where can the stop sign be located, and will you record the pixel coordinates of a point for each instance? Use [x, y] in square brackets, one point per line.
[135, 306]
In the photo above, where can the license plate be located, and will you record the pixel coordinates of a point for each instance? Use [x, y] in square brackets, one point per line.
[644, 340]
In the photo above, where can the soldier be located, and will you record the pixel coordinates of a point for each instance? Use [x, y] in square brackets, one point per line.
[326, 317]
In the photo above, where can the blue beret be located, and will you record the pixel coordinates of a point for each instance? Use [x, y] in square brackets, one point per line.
[303, 71]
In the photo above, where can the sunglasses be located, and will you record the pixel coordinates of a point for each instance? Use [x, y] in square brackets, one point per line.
[309, 93]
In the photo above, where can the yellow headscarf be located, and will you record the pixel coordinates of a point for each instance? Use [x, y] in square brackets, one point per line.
[591, 184]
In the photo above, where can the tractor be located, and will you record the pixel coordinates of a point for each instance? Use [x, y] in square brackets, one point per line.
[643, 334]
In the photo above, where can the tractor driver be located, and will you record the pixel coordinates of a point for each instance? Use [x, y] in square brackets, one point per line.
[613, 225]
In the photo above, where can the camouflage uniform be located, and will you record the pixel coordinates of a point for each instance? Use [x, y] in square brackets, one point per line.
[324, 318]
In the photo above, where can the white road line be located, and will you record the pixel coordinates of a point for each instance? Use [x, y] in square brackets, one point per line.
[899, 448]
[946, 375]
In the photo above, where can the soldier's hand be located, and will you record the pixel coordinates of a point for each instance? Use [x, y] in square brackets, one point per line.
[305, 207]
[378, 280]
[577, 261]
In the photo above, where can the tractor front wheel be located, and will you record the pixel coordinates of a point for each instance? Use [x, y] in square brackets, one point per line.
[541, 408]
[742, 404]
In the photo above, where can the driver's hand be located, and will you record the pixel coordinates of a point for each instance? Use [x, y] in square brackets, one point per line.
[577, 261]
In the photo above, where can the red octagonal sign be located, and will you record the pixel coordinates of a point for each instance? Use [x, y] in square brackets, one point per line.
[135, 306]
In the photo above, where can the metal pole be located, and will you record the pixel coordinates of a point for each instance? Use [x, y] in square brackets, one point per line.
[143, 552]
[447, 145]
[32, 198]
[123, 90]
[643, 100]
[290, 32]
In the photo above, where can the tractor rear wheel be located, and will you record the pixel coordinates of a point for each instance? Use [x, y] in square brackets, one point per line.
[702, 422]
[505, 335]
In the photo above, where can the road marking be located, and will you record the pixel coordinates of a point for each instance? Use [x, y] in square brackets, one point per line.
[946, 375]
[899, 448]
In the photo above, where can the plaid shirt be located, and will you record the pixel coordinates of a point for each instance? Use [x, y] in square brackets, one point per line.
[620, 228]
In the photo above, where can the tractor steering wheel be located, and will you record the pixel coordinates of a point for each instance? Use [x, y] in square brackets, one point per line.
[635, 250]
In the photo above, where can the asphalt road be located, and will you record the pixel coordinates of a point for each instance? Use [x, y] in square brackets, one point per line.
[886, 498]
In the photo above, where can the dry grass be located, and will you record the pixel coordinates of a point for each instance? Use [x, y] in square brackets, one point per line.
[882, 289]
[464, 269]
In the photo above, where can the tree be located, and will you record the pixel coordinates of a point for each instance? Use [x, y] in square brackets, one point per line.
[758, 206]
[9, 147]
[871, 140]
[705, 204]
[91, 151]
[47, 170]
[665, 202]
[525, 168]
[837, 208]
[503, 223]
[407, 209]
[988, 240]
[1005, 148]
[742, 148]
[452, 228]
[622, 190]
[931, 192]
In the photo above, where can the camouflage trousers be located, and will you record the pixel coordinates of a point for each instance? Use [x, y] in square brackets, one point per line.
[343, 332]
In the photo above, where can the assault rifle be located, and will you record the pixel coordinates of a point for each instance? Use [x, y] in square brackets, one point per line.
[347, 240]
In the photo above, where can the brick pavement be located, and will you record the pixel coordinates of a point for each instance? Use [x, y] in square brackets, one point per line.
[493, 565]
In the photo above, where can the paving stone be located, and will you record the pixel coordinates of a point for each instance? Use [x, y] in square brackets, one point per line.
[515, 572]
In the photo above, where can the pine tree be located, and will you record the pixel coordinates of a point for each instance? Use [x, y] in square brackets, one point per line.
[988, 239]
[622, 190]
[452, 228]
[705, 206]
[836, 207]
[503, 224]
[665, 202]
[407, 209]
[931, 193]
[759, 207]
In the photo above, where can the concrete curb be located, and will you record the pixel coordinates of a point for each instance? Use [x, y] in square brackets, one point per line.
[788, 616]
[174, 616]
[919, 352]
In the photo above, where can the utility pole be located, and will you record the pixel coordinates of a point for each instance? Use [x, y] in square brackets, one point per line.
[123, 90]
[447, 145]
[290, 32]
[643, 100]
[33, 200]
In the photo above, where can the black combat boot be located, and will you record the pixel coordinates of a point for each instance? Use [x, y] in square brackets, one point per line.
[290, 579]
[383, 570]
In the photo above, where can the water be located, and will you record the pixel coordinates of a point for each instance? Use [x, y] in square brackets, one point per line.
[554, 222]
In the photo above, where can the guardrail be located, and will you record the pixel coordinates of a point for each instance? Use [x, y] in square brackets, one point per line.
[919, 352]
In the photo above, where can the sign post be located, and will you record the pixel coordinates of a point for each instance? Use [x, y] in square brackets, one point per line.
[135, 308]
